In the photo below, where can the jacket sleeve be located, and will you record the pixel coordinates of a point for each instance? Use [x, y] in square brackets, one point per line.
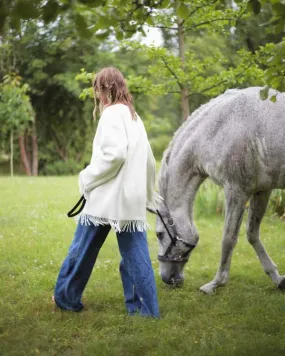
[153, 198]
[109, 156]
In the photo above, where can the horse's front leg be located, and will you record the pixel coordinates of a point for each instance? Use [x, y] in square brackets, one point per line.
[235, 206]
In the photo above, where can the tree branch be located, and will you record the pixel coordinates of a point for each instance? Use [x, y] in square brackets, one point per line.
[207, 22]
[216, 85]
[135, 9]
[206, 89]
[142, 5]
[214, 20]
[198, 8]
[241, 14]
[195, 76]
[172, 72]
[164, 27]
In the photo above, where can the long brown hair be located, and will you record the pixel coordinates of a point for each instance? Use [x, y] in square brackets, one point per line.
[110, 88]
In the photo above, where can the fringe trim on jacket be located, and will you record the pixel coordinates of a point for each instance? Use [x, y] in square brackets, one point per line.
[117, 225]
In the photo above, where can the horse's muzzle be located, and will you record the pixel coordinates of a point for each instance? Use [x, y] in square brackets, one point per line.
[174, 281]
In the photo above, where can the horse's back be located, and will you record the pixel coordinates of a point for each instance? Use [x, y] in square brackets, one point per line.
[238, 138]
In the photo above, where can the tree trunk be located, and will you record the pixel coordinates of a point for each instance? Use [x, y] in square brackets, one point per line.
[24, 157]
[27, 139]
[35, 156]
[12, 153]
[184, 104]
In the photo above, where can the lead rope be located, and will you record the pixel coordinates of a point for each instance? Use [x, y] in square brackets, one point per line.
[72, 212]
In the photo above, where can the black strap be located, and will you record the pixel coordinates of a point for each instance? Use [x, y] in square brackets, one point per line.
[72, 212]
[173, 240]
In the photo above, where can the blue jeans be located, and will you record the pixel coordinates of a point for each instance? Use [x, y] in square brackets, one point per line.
[135, 269]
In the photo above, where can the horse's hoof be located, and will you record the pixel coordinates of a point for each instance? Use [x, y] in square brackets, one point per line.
[281, 284]
[206, 289]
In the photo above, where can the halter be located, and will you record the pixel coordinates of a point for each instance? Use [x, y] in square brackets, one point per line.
[174, 240]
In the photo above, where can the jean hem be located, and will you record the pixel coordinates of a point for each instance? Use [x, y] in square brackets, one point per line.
[67, 309]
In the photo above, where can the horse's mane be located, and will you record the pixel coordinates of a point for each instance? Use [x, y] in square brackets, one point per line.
[162, 175]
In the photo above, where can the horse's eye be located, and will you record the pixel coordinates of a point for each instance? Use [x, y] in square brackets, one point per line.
[159, 235]
[170, 222]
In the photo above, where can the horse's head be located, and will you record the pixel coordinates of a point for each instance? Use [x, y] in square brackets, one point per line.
[177, 237]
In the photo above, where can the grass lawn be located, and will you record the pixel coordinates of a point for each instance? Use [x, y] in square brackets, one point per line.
[247, 317]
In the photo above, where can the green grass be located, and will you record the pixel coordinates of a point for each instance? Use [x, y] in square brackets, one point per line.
[244, 318]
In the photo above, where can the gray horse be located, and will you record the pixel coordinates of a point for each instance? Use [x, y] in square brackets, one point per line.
[237, 140]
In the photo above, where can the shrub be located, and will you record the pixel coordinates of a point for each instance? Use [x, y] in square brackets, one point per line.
[59, 168]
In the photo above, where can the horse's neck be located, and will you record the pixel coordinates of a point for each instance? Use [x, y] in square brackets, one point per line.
[179, 190]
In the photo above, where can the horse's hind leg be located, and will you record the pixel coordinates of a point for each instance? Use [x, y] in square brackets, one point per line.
[258, 205]
[235, 206]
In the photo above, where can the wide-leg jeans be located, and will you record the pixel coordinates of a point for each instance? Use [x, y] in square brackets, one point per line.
[135, 269]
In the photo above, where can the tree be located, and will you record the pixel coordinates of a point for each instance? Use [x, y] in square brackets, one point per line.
[198, 61]
[122, 17]
[180, 68]
[183, 18]
[16, 113]
[271, 54]
[200, 76]
[186, 19]
[49, 57]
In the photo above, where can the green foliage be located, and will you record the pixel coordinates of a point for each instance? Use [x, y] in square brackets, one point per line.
[85, 78]
[59, 168]
[70, 35]
[275, 26]
[159, 145]
[208, 74]
[160, 118]
[123, 18]
[210, 200]
[274, 74]
[16, 111]
[49, 60]
[255, 6]
[209, 65]
[277, 203]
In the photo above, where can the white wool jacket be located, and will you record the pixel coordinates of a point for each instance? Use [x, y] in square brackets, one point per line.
[119, 182]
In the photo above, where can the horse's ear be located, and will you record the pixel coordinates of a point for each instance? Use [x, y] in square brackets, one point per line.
[151, 210]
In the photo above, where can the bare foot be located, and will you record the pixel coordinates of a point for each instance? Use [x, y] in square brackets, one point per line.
[52, 298]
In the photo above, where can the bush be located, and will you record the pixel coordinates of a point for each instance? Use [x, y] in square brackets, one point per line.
[59, 168]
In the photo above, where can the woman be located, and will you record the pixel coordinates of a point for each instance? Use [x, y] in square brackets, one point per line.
[118, 186]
